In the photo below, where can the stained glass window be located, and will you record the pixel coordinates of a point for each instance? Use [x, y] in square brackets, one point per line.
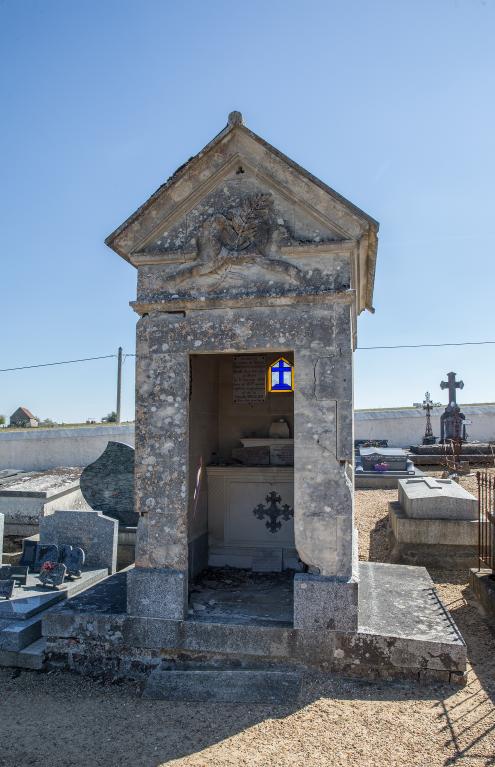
[281, 376]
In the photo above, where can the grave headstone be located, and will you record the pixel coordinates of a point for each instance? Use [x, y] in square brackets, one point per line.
[108, 484]
[52, 574]
[94, 533]
[394, 458]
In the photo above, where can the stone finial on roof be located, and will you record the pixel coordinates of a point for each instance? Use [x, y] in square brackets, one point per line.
[235, 118]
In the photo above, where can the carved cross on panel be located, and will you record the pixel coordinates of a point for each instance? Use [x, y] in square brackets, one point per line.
[273, 512]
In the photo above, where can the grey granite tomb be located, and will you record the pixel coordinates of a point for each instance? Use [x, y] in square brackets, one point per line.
[434, 523]
[107, 484]
[93, 532]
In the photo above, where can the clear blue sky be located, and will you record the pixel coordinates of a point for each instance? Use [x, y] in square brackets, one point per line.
[391, 103]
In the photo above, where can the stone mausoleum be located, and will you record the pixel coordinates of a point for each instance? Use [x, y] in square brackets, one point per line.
[251, 274]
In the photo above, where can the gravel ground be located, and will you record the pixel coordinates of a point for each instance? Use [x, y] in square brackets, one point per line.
[59, 719]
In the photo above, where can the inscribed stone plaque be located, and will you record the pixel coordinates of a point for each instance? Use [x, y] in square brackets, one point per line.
[44, 554]
[282, 455]
[52, 574]
[29, 549]
[252, 456]
[19, 574]
[75, 562]
[249, 379]
[6, 588]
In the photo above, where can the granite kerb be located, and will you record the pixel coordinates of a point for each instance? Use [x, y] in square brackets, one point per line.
[124, 636]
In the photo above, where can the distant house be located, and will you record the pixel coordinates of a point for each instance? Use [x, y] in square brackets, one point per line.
[23, 417]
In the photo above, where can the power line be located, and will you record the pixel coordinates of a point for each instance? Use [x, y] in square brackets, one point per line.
[64, 362]
[359, 348]
[422, 346]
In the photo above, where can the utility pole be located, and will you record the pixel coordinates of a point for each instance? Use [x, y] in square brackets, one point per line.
[119, 381]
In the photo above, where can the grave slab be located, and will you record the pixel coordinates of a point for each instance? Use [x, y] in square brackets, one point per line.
[429, 498]
[27, 497]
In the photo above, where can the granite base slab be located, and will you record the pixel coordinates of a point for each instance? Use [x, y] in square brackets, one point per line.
[156, 593]
[403, 631]
[448, 544]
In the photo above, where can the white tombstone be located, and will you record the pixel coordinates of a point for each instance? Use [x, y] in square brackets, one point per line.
[429, 498]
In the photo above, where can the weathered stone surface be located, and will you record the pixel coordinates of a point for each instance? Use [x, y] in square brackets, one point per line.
[93, 532]
[429, 498]
[325, 604]
[268, 259]
[446, 544]
[157, 593]
[108, 483]
[1, 537]
[224, 686]
[404, 630]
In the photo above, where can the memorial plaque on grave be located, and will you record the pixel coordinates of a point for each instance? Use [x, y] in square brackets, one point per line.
[6, 588]
[108, 483]
[249, 379]
[52, 574]
[29, 550]
[282, 455]
[16, 573]
[75, 562]
[44, 554]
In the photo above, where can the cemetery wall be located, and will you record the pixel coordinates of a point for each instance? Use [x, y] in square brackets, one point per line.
[406, 426]
[42, 449]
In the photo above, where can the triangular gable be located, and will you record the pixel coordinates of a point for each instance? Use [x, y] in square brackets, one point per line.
[166, 228]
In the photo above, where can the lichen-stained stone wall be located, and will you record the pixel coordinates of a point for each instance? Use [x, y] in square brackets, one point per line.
[319, 335]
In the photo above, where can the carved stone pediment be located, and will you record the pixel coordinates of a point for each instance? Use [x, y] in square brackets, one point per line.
[241, 221]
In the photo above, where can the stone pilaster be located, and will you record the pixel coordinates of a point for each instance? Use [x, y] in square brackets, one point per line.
[157, 587]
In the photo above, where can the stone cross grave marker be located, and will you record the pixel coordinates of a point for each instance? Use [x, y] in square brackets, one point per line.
[451, 384]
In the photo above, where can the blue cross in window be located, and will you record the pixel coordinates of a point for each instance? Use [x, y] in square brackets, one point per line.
[281, 376]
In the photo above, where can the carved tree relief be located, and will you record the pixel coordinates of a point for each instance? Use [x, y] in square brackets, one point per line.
[224, 238]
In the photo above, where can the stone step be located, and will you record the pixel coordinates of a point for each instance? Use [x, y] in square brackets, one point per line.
[31, 657]
[224, 686]
[19, 634]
